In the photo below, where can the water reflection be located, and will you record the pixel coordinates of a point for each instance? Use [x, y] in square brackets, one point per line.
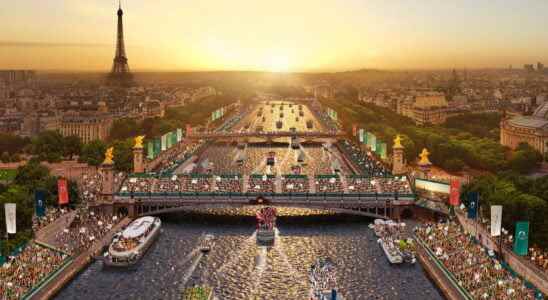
[239, 269]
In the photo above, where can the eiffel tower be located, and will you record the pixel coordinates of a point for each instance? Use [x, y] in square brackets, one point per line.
[120, 74]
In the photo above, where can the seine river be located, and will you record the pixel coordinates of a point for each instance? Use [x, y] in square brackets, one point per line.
[239, 269]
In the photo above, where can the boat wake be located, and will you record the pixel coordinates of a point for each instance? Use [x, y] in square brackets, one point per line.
[236, 257]
[190, 270]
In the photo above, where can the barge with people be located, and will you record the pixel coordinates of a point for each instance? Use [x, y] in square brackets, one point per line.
[266, 226]
[130, 245]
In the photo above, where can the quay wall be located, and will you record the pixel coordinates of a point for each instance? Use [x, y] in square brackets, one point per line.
[437, 276]
[57, 282]
[521, 266]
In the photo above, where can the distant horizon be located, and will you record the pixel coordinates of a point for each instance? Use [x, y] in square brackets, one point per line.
[308, 36]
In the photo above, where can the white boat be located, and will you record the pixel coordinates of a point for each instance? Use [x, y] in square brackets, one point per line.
[129, 245]
[391, 251]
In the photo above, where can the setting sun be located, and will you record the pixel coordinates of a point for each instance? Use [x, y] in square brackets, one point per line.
[278, 63]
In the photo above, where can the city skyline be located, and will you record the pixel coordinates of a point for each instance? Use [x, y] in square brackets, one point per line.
[283, 37]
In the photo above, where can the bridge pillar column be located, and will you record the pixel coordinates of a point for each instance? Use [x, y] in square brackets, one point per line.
[398, 162]
[138, 163]
[107, 192]
[131, 209]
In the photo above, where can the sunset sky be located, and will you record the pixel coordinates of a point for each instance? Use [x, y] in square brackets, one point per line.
[282, 35]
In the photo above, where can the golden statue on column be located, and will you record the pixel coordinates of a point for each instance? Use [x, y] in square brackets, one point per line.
[139, 141]
[109, 155]
[424, 157]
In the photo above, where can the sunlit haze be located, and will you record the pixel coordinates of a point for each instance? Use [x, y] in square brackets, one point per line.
[305, 35]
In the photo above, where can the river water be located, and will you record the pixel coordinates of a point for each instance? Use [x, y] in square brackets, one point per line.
[239, 269]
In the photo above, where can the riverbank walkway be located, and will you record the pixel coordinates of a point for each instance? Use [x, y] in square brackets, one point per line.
[57, 281]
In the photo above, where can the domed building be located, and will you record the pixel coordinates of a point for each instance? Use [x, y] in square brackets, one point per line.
[532, 130]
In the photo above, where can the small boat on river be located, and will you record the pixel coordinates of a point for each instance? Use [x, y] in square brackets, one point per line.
[391, 251]
[323, 280]
[207, 243]
[129, 245]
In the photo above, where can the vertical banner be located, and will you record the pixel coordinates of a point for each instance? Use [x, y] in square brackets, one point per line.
[365, 137]
[360, 135]
[212, 116]
[378, 148]
[496, 219]
[40, 203]
[150, 149]
[157, 147]
[62, 191]
[169, 140]
[179, 134]
[454, 192]
[473, 197]
[164, 142]
[521, 238]
[188, 129]
[355, 130]
[383, 151]
[9, 209]
[173, 138]
[373, 143]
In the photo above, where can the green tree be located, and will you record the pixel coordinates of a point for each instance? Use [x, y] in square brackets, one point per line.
[123, 129]
[49, 146]
[72, 146]
[93, 153]
[123, 155]
[525, 159]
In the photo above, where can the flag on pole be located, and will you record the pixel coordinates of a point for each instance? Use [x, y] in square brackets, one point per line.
[164, 142]
[360, 135]
[157, 147]
[383, 150]
[188, 129]
[521, 239]
[11, 226]
[173, 138]
[62, 191]
[168, 140]
[473, 197]
[179, 134]
[496, 219]
[150, 149]
[355, 130]
[40, 203]
[454, 192]
[373, 143]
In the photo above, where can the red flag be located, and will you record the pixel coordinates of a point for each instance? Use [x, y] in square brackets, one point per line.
[454, 193]
[354, 130]
[188, 129]
[62, 191]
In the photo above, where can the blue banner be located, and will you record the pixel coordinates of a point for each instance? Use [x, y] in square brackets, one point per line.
[521, 238]
[40, 203]
[473, 198]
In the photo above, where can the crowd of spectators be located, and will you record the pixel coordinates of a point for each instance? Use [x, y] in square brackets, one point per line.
[22, 272]
[174, 158]
[361, 185]
[472, 266]
[91, 185]
[261, 184]
[229, 184]
[293, 184]
[398, 185]
[365, 161]
[329, 184]
[85, 229]
[52, 214]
